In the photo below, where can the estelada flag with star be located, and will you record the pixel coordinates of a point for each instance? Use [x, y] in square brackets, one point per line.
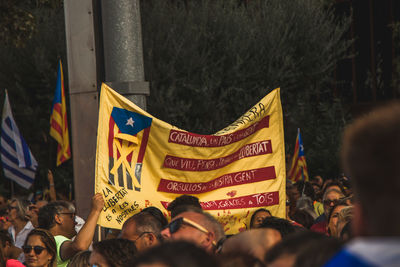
[298, 170]
[142, 161]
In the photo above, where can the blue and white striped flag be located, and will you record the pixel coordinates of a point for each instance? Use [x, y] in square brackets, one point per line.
[18, 162]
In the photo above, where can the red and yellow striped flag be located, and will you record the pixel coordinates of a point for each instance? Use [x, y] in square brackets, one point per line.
[58, 120]
[298, 171]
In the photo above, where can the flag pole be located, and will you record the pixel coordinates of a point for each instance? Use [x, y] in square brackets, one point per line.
[98, 233]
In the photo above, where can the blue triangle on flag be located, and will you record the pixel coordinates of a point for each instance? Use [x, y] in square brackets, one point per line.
[130, 122]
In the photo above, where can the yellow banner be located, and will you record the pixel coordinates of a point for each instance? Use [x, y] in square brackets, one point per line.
[142, 161]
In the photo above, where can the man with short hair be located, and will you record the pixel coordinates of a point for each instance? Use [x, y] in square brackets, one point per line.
[143, 229]
[183, 203]
[60, 221]
[197, 227]
[371, 159]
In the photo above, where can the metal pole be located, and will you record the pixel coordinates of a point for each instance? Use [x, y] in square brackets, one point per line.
[123, 51]
[82, 88]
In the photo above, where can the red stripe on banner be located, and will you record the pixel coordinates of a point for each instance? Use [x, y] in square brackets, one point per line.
[250, 201]
[229, 179]
[110, 136]
[143, 144]
[187, 164]
[198, 140]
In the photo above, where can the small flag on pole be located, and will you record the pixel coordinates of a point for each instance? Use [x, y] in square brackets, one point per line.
[298, 171]
[58, 120]
[18, 162]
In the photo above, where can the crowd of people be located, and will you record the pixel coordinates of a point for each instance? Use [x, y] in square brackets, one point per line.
[330, 222]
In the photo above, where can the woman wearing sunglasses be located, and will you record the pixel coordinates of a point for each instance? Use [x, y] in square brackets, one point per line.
[40, 249]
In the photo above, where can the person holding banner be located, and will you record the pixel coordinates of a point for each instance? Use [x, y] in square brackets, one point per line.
[60, 221]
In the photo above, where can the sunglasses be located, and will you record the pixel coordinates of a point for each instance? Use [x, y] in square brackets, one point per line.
[329, 202]
[141, 235]
[175, 225]
[36, 249]
[71, 214]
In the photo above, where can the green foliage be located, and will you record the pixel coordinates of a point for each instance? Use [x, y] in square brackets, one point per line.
[18, 21]
[209, 61]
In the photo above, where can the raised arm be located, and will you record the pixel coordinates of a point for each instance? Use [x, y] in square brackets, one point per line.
[53, 196]
[85, 236]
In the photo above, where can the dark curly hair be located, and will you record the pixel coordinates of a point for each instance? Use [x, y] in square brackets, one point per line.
[116, 252]
[48, 240]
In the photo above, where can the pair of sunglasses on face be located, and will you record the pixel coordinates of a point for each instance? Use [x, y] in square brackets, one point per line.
[36, 249]
[176, 224]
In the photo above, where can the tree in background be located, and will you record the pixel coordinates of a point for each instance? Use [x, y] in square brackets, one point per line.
[34, 40]
[209, 61]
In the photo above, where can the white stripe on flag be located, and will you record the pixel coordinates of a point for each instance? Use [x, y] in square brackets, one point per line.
[14, 163]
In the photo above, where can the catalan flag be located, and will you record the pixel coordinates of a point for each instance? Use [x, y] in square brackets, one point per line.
[298, 171]
[18, 162]
[58, 120]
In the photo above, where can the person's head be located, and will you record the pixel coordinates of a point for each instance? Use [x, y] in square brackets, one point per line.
[197, 227]
[303, 217]
[333, 217]
[306, 204]
[305, 189]
[183, 203]
[6, 243]
[143, 229]
[17, 210]
[33, 210]
[345, 216]
[3, 202]
[40, 249]
[157, 213]
[304, 248]
[57, 218]
[2, 256]
[346, 233]
[113, 253]
[38, 195]
[254, 242]
[335, 184]
[258, 217]
[238, 260]
[175, 254]
[293, 194]
[331, 197]
[283, 226]
[371, 161]
[81, 259]
[317, 190]
[317, 180]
